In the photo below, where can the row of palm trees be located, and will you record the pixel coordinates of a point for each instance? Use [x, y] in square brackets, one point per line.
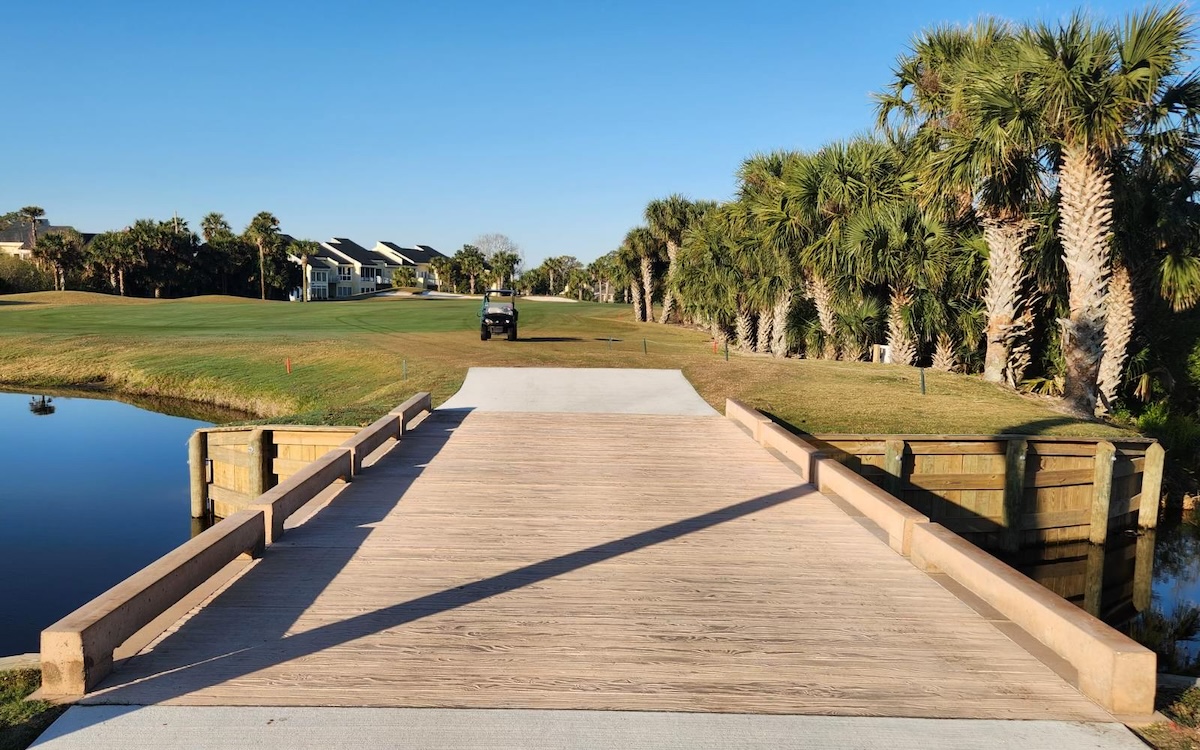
[1029, 190]
[168, 258]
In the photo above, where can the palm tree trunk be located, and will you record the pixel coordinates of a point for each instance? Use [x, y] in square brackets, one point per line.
[1085, 230]
[718, 332]
[304, 278]
[943, 356]
[121, 280]
[822, 296]
[745, 328]
[262, 272]
[900, 342]
[1006, 280]
[648, 284]
[763, 335]
[779, 323]
[668, 295]
[635, 293]
[1118, 330]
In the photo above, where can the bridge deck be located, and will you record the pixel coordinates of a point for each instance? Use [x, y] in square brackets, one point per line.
[593, 562]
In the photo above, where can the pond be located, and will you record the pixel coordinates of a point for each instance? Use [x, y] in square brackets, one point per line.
[91, 491]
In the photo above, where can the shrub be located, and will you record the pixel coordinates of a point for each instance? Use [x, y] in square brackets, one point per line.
[18, 276]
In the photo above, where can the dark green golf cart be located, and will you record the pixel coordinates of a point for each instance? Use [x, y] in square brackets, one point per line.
[498, 314]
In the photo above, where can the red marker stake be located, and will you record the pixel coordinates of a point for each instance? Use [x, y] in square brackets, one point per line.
[288, 364]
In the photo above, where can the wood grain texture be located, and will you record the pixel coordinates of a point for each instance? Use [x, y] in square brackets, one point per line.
[591, 562]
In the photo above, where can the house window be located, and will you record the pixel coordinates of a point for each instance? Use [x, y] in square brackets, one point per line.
[343, 291]
[319, 292]
[345, 273]
[369, 274]
[321, 276]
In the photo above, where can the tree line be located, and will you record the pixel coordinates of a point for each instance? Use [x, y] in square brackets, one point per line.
[1025, 208]
[158, 258]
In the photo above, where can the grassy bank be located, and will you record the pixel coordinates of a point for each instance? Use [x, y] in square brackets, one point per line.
[351, 361]
[21, 721]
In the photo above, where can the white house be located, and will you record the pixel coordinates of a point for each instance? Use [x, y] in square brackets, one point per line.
[418, 256]
[15, 239]
[342, 268]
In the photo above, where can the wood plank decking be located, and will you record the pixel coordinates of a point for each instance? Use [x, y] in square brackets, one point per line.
[591, 562]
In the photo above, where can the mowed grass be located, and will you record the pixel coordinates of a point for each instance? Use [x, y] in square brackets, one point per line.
[352, 361]
[21, 721]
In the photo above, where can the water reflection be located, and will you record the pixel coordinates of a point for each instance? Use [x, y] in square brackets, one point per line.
[1145, 584]
[41, 406]
[87, 498]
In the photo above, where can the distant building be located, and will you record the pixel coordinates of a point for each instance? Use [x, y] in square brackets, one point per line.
[417, 256]
[15, 239]
[342, 268]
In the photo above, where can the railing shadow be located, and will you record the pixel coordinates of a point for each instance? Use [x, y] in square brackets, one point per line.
[289, 577]
[203, 653]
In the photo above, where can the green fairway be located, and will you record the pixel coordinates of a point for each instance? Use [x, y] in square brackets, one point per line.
[351, 361]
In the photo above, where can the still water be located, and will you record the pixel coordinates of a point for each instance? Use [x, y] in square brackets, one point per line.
[90, 492]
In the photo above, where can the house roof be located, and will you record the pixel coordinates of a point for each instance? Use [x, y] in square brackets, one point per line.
[354, 251]
[19, 232]
[322, 253]
[417, 254]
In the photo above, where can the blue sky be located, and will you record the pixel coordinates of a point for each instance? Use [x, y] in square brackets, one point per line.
[553, 123]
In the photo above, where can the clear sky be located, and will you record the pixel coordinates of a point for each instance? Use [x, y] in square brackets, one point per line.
[434, 122]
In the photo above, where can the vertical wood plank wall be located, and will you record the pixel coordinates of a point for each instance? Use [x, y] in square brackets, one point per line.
[960, 483]
[233, 466]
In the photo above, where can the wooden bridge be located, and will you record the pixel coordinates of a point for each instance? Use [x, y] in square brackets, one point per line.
[577, 557]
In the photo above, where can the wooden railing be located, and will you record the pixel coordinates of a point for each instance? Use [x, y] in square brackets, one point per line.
[77, 651]
[1111, 668]
[1011, 491]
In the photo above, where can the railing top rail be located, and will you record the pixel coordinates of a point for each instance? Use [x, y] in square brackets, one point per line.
[824, 436]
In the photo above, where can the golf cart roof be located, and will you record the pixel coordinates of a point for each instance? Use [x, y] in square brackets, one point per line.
[502, 292]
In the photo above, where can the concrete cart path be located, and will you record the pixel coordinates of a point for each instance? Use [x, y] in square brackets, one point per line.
[568, 390]
[175, 728]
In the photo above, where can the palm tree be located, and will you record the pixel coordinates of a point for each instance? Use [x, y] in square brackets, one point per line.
[59, 250]
[31, 214]
[441, 267]
[648, 249]
[263, 233]
[668, 218]
[708, 281]
[824, 194]
[304, 249]
[504, 265]
[972, 134]
[1091, 85]
[909, 250]
[783, 229]
[629, 260]
[471, 262]
[105, 255]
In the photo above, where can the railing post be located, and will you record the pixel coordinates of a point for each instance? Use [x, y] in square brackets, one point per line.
[1093, 585]
[1106, 454]
[198, 469]
[1015, 459]
[1152, 474]
[893, 465]
[259, 450]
